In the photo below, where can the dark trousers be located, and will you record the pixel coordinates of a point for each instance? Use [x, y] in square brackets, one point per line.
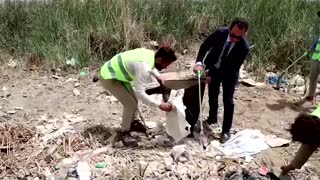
[191, 101]
[228, 86]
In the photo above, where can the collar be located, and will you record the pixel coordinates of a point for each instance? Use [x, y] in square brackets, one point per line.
[228, 38]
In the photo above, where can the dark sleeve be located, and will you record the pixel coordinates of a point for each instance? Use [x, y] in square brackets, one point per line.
[244, 55]
[205, 46]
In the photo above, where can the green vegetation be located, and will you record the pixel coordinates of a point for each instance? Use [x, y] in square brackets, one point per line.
[281, 30]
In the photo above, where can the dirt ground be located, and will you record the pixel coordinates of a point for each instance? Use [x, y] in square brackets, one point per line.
[36, 99]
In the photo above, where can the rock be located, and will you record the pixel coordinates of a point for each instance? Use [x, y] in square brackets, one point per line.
[112, 98]
[4, 115]
[168, 163]
[56, 77]
[18, 108]
[314, 178]
[70, 80]
[183, 159]
[297, 80]
[141, 144]
[163, 140]
[178, 151]
[5, 95]
[77, 84]
[11, 112]
[118, 144]
[76, 92]
[153, 43]
[12, 64]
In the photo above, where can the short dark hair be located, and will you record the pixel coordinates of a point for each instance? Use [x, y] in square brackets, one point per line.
[241, 23]
[166, 54]
[306, 129]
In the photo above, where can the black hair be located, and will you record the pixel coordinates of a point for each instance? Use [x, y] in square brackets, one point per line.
[166, 54]
[306, 129]
[241, 23]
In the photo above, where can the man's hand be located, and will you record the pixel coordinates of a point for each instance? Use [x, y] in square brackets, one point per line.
[167, 107]
[160, 79]
[197, 68]
[208, 80]
[286, 169]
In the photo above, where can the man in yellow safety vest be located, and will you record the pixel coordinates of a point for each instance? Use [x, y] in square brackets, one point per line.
[306, 130]
[314, 52]
[137, 66]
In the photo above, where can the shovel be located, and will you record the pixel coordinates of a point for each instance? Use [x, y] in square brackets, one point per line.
[202, 137]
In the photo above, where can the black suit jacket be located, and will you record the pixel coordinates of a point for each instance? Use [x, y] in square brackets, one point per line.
[229, 66]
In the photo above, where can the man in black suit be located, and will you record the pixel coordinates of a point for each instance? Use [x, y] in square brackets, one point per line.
[223, 53]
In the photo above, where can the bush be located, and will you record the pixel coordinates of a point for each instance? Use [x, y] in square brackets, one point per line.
[281, 30]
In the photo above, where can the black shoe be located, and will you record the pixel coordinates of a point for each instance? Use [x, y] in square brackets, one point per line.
[224, 137]
[137, 126]
[211, 121]
[126, 139]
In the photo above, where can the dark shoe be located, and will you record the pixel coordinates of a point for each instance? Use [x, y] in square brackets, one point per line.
[137, 126]
[211, 121]
[126, 139]
[224, 137]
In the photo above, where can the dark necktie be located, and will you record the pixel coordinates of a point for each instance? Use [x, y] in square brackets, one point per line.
[226, 50]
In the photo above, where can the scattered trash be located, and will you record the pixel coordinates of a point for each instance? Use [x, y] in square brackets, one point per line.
[163, 140]
[76, 92]
[263, 171]
[277, 142]
[82, 73]
[246, 175]
[154, 43]
[18, 108]
[179, 153]
[11, 112]
[243, 144]
[176, 125]
[70, 80]
[155, 128]
[56, 77]
[72, 62]
[12, 64]
[84, 170]
[112, 98]
[101, 165]
[77, 84]
[297, 80]
[64, 167]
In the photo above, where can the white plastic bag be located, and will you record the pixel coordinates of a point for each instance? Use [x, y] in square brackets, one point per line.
[176, 125]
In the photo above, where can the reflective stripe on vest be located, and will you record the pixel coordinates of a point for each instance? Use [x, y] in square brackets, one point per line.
[116, 69]
[316, 53]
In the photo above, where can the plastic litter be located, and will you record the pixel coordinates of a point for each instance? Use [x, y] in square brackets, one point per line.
[176, 125]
